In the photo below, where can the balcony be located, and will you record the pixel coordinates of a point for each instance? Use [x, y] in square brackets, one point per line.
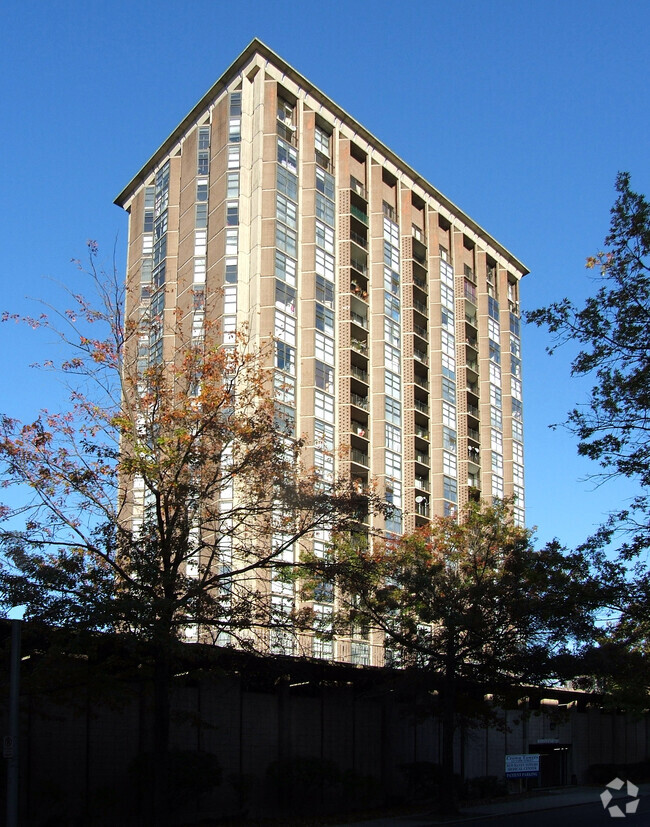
[472, 410]
[287, 132]
[359, 457]
[359, 265]
[420, 307]
[421, 356]
[422, 506]
[421, 331]
[360, 215]
[359, 290]
[359, 346]
[420, 282]
[360, 320]
[421, 381]
[421, 406]
[422, 458]
[359, 401]
[357, 187]
[472, 433]
[422, 483]
[423, 433]
[358, 239]
[359, 373]
[359, 429]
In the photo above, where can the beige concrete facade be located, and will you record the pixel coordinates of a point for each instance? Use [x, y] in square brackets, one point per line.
[394, 317]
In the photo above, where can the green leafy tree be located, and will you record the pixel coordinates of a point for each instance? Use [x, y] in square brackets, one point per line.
[612, 331]
[161, 500]
[473, 602]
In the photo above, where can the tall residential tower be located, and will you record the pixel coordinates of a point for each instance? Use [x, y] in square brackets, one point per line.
[394, 317]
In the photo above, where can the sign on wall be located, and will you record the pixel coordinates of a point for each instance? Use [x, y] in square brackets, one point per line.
[522, 766]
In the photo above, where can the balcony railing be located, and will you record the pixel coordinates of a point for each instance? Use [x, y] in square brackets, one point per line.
[422, 382]
[422, 458]
[359, 373]
[472, 433]
[472, 410]
[359, 266]
[360, 347]
[421, 283]
[359, 429]
[421, 356]
[359, 239]
[359, 291]
[359, 401]
[360, 214]
[420, 306]
[359, 457]
[421, 331]
[422, 508]
[421, 406]
[357, 318]
[423, 433]
[422, 483]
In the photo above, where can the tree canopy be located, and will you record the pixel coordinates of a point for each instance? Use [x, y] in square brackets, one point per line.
[612, 330]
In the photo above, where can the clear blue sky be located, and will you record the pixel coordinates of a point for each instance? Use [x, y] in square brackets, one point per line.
[520, 112]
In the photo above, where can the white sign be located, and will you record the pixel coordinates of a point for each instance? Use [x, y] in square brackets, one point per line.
[522, 766]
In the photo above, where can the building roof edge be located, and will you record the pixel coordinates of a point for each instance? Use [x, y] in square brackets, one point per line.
[256, 46]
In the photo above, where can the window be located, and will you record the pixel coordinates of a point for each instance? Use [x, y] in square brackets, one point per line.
[285, 357]
[517, 474]
[285, 328]
[518, 452]
[324, 464]
[448, 343]
[231, 271]
[495, 396]
[202, 189]
[287, 183]
[325, 183]
[449, 415]
[393, 490]
[391, 256]
[497, 463]
[495, 352]
[324, 319]
[287, 156]
[495, 374]
[446, 274]
[393, 411]
[391, 306]
[286, 211]
[324, 291]
[324, 377]
[449, 390]
[203, 151]
[449, 464]
[493, 330]
[517, 409]
[515, 366]
[234, 130]
[322, 141]
[447, 320]
[392, 384]
[285, 238]
[232, 185]
[391, 281]
[232, 241]
[324, 209]
[233, 156]
[496, 440]
[201, 242]
[285, 419]
[450, 489]
[496, 417]
[493, 308]
[516, 387]
[235, 103]
[230, 300]
[285, 297]
[323, 406]
[324, 348]
[515, 347]
[391, 333]
[323, 435]
[393, 437]
[391, 232]
[324, 264]
[232, 213]
[324, 237]
[285, 268]
[285, 388]
[449, 441]
[393, 465]
[515, 325]
[497, 486]
[392, 358]
[517, 430]
[447, 297]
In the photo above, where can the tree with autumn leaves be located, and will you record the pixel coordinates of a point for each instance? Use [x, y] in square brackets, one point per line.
[474, 604]
[161, 501]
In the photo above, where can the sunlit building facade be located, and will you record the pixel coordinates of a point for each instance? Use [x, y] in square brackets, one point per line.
[394, 318]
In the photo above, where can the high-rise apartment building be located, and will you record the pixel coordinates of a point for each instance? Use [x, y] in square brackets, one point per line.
[394, 317]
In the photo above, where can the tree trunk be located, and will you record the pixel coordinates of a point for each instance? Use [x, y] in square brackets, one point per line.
[159, 809]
